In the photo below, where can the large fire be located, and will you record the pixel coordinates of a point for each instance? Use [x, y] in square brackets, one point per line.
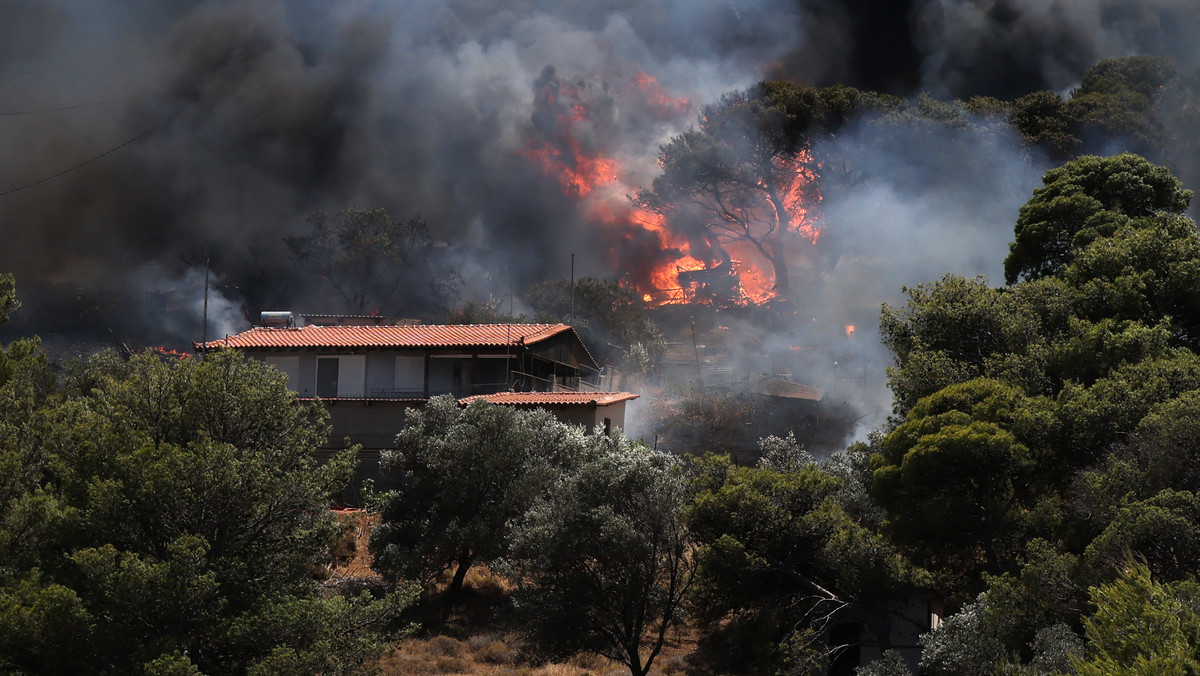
[678, 274]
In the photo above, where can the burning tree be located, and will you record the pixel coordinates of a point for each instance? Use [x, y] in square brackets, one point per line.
[744, 176]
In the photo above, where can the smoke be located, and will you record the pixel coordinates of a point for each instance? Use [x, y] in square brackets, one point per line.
[192, 131]
[912, 215]
[1008, 48]
[146, 138]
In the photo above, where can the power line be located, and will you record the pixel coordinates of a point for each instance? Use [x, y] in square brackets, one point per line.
[77, 166]
[55, 110]
[6, 265]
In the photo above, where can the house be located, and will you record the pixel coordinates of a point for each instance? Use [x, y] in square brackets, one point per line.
[369, 370]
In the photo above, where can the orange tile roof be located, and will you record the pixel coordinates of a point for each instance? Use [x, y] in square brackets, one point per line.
[419, 336]
[552, 398]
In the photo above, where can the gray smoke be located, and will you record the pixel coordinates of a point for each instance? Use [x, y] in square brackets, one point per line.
[171, 132]
[209, 130]
[1011, 47]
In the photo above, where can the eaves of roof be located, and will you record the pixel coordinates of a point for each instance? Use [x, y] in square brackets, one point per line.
[552, 398]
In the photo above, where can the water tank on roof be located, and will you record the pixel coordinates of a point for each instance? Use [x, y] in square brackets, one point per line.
[277, 320]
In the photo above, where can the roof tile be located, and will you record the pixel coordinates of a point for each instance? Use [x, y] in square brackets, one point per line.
[420, 336]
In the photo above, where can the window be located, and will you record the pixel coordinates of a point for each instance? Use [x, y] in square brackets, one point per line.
[342, 377]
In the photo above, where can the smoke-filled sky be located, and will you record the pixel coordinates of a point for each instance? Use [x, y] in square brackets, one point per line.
[140, 137]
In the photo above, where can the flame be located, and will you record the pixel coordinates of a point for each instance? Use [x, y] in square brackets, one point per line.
[849, 330]
[578, 173]
[168, 352]
[594, 179]
[801, 193]
[658, 99]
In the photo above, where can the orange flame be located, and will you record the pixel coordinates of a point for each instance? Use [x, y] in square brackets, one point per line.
[168, 352]
[801, 194]
[580, 171]
[659, 100]
[849, 330]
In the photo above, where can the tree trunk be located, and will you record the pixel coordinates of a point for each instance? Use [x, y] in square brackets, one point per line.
[456, 585]
[779, 267]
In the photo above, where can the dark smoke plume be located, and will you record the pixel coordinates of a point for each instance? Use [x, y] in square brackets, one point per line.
[146, 138]
[198, 131]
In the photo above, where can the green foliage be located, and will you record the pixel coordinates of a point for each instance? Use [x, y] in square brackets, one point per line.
[601, 558]
[1166, 446]
[779, 559]
[1095, 417]
[465, 475]
[1141, 627]
[957, 478]
[1082, 201]
[1043, 430]
[957, 329]
[1050, 590]
[8, 297]
[784, 454]
[373, 263]
[1044, 119]
[162, 512]
[962, 645]
[889, 664]
[607, 315]
[1163, 531]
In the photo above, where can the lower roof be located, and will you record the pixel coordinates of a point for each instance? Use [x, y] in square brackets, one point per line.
[515, 398]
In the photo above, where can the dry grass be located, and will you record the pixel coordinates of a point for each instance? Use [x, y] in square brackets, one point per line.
[474, 639]
[486, 656]
[352, 553]
[499, 654]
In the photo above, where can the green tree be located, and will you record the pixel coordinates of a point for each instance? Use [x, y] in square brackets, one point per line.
[1117, 99]
[1165, 448]
[780, 562]
[465, 475]
[962, 645]
[957, 478]
[1163, 531]
[1084, 200]
[374, 263]
[609, 317]
[1044, 119]
[175, 518]
[601, 560]
[957, 329]
[8, 297]
[1141, 627]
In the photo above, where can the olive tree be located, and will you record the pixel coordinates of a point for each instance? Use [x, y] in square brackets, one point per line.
[464, 475]
[601, 560]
